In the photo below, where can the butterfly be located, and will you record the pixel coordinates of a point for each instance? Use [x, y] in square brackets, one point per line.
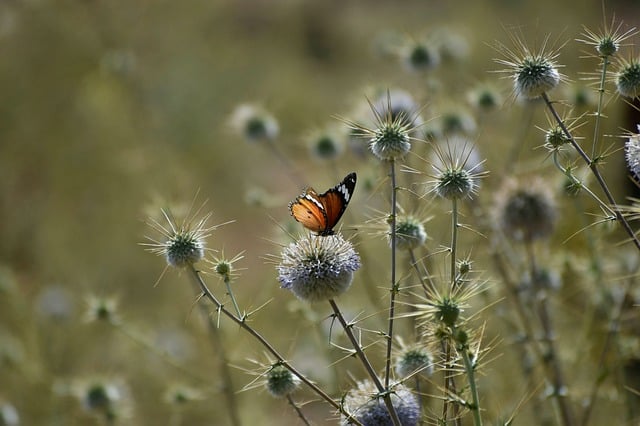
[321, 212]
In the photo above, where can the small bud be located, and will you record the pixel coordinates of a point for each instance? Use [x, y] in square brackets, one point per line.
[447, 311]
[412, 360]
[281, 382]
[421, 56]
[526, 212]
[254, 123]
[410, 233]
[628, 78]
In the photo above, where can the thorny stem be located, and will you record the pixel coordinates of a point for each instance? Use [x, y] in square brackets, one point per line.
[611, 334]
[298, 410]
[454, 242]
[596, 130]
[227, 382]
[227, 282]
[595, 171]
[551, 358]
[394, 285]
[386, 395]
[470, 370]
[241, 322]
[427, 288]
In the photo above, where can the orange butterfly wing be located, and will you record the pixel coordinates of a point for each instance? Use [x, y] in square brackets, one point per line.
[320, 213]
[309, 211]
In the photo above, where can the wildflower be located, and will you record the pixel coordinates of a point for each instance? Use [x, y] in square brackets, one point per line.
[390, 137]
[317, 268]
[526, 211]
[281, 382]
[456, 121]
[420, 56]
[254, 123]
[325, 145]
[607, 42]
[368, 407]
[457, 170]
[410, 233]
[534, 73]
[412, 360]
[451, 45]
[182, 245]
[101, 309]
[399, 104]
[632, 154]
[485, 98]
[105, 398]
[627, 78]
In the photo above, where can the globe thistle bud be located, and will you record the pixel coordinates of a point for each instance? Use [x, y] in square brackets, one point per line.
[485, 98]
[325, 145]
[554, 138]
[390, 141]
[628, 78]
[447, 311]
[109, 399]
[254, 123]
[608, 41]
[410, 233]
[183, 249]
[458, 169]
[317, 268]
[456, 121]
[364, 403]
[421, 56]
[101, 309]
[533, 73]
[526, 212]
[399, 105]
[281, 382]
[414, 359]
[632, 154]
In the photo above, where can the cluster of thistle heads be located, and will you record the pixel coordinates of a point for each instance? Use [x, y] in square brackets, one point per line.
[441, 153]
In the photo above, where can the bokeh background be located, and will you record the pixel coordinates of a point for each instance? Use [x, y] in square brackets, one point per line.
[113, 109]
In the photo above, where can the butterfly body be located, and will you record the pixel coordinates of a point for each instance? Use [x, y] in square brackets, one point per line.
[321, 212]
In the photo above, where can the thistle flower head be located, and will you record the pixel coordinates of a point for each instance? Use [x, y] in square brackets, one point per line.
[254, 123]
[534, 73]
[632, 154]
[456, 121]
[106, 398]
[410, 233]
[526, 211]
[415, 359]
[457, 170]
[101, 309]
[391, 134]
[607, 41]
[182, 244]
[326, 144]
[280, 381]
[420, 55]
[368, 407]
[627, 78]
[224, 267]
[317, 268]
[485, 98]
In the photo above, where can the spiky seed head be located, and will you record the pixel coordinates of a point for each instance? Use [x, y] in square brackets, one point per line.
[447, 311]
[390, 141]
[554, 138]
[526, 211]
[632, 154]
[414, 359]
[254, 123]
[281, 382]
[184, 249]
[628, 78]
[368, 407]
[421, 56]
[318, 268]
[536, 75]
[485, 98]
[325, 146]
[410, 233]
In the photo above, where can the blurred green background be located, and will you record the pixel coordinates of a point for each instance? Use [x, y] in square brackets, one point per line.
[113, 109]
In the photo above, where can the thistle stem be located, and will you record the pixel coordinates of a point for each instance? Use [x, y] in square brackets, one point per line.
[241, 322]
[384, 391]
[470, 371]
[297, 410]
[595, 171]
[596, 129]
[394, 286]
